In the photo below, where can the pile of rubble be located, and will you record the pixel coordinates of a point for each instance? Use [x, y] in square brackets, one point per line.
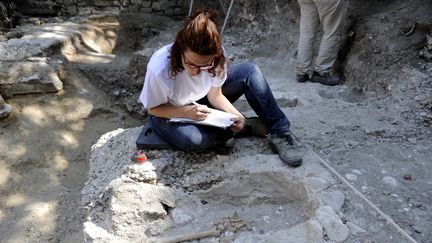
[246, 196]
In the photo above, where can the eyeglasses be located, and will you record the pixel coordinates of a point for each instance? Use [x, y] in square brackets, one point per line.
[191, 65]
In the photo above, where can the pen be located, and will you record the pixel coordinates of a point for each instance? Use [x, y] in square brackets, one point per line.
[196, 103]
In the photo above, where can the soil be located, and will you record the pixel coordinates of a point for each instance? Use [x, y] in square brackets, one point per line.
[45, 145]
[375, 130]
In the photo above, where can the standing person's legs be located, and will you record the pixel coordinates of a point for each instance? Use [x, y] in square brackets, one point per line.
[331, 14]
[246, 78]
[309, 24]
[190, 137]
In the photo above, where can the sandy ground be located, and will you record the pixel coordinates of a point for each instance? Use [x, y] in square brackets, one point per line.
[44, 147]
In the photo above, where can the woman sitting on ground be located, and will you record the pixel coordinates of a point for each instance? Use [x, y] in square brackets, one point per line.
[194, 69]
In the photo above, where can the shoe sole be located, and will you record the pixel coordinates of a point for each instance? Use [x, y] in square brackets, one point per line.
[324, 83]
[302, 80]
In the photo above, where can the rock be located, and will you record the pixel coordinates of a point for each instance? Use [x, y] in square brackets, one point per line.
[93, 233]
[415, 228]
[334, 199]
[357, 172]
[351, 177]
[5, 109]
[138, 204]
[310, 231]
[180, 217]
[316, 183]
[390, 181]
[332, 224]
[426, 52]
[2, 102]
[355, 230]
[28, 77]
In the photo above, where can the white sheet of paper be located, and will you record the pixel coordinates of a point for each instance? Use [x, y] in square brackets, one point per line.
[215, 118]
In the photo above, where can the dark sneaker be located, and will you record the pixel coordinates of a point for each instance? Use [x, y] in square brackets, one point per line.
[286, 146]
[253, 127]
[229, 144]
[226, 148]
[301, 78]
[325, 78]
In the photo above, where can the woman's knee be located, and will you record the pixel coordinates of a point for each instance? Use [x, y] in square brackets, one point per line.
[191, 139]
[191, 143]
[252, 68]
[256, 78]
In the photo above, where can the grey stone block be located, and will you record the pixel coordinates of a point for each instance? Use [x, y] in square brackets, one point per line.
[28, 78]
[156, 6]
[137, 2]
[5, 110]
[146, 10]
[71, 10]
[102, 3]
[146, 4]
[2, 102]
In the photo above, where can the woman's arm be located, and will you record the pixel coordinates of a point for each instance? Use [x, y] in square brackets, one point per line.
[220, 102]
[167, 110]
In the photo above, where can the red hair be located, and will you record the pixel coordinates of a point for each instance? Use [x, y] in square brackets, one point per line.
[200, 35]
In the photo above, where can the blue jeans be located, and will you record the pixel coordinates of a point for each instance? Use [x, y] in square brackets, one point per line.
[243, 78]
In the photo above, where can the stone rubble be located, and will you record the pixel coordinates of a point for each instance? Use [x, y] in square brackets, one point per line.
[131, 202]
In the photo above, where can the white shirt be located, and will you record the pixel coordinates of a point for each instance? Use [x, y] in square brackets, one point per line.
[159, 88]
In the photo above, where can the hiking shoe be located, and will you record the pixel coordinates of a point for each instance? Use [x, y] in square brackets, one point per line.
[301, 78]
[229, 144]
[226, 148]
[325, 78]
[286, 146]
[253, 127]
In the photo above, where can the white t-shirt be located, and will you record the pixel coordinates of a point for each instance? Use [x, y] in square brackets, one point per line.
[159, 88]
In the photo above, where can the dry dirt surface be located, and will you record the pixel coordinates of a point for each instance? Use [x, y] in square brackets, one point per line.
[375, 130]
[44, 146]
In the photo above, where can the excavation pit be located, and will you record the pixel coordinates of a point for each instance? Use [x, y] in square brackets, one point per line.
[263, 202]
[248, 195]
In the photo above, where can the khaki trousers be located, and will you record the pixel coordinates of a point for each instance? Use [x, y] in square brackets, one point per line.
[330, 14]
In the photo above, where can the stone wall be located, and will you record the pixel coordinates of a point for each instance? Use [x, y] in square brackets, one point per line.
[171, 8]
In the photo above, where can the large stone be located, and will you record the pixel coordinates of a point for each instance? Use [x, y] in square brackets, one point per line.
[141, 206]
[332, 224]
[5, 111]
[102, 3]
[2, 102]
[28, 77]
[333, 198]
[310, 231]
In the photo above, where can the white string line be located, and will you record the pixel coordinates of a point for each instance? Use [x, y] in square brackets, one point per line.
[226, 17]
[387, 218]
[190, 7]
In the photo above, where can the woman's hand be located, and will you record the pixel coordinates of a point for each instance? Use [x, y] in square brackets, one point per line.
[197, 112]
[238, 124]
